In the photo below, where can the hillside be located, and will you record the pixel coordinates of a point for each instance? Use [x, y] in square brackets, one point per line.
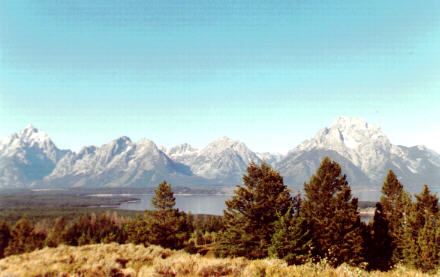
[131, 260]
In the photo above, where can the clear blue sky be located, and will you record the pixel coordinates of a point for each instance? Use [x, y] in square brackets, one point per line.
[270, 73]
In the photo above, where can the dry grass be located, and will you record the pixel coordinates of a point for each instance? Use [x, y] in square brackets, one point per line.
[136, 260]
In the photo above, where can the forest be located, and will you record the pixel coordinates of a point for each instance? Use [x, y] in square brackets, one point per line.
[263, 219]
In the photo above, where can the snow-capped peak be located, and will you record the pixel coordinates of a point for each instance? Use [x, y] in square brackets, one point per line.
[30, 134]
[181, 149]
[348, 132]
[221, 144]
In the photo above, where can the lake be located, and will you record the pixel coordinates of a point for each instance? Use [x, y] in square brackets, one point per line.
[196, 204]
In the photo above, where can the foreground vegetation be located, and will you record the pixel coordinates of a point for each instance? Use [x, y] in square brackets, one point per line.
[137, 260]
[263, 221]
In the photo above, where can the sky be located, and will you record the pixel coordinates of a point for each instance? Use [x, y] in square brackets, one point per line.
[268, 73]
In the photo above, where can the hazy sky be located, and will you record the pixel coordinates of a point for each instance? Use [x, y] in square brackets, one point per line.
[269, 73]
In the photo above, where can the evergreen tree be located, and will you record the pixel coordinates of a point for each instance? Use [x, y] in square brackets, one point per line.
[292, 240]
[23, 238]
[332, 215]
[396, 206]
[250, 216]
[380, 246]
[428, 243]
[167, 226]
[54, 237]
[163, 197]
[5, 236]
[138, 231]
[420, 236]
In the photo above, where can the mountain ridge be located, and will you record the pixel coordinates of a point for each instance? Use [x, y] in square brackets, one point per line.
[29, 158]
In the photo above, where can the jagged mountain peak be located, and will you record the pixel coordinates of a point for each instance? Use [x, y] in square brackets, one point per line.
[181, 149]
[146, 143]
[32, 134]
[29, 137]
[348, 133]
[222, 143]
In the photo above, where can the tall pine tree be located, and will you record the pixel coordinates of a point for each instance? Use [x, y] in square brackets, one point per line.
[250, 216]
[332, 215]
[396, 206]
[23, 238]
[5, 235]
[421, 236]
[292, 241]
[380, 244]
[167, 226]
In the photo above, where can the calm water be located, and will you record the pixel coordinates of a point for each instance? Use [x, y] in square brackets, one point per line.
[196, 204]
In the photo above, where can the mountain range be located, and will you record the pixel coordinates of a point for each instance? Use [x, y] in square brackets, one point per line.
[29, 158]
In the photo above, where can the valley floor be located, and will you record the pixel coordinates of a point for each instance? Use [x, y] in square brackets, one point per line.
[136, 260]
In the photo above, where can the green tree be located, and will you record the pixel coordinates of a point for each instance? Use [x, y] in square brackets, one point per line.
[166, 226]
[420, 237]
[292, 241]
[5, 236]
[23, 238]
[396, 206]
[332, 215]
[380, 246]
[250, 216]
[163, 198]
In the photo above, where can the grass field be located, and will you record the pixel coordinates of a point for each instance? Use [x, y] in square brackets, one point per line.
[137, 260]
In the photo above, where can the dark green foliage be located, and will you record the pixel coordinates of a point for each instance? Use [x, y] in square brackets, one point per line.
[163, 198]
[37, 214]
[380, 245]
[249, 218]
[396, 206]
[207, 223]
[428, 242]
[166, 226]
[292, 241]
[5, 236]
[332, 215]
[90, 229]
[23, 238]
[421, 235]
[137, 230]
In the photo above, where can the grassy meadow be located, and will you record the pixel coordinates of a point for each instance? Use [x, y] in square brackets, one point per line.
[137, 260]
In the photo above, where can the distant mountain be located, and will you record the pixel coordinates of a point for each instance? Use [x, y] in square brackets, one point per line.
[119, 163]
[270, 158]
[30, 158]
[223, 161]
[26, 157]
[365, 154]
[183, 153]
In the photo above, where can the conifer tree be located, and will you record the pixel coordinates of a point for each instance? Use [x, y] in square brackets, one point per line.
[163, 197]
[332, 215]
[396, 206]
[5, 236]
[292, 240]
[250, 216]
[420, 236]
[167, 226]
[23, 239]
[54, 237]
[379, 247]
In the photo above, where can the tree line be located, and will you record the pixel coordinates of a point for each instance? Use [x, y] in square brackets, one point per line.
[263, 219]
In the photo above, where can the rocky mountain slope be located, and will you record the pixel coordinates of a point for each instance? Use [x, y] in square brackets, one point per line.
[365, 153]
[30, 158]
